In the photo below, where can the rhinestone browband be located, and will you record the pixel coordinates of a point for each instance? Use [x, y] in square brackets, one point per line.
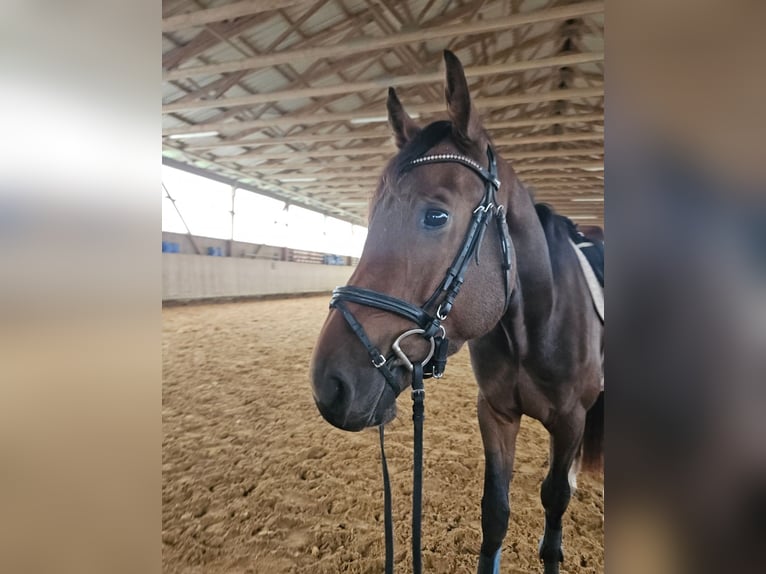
[452, 157]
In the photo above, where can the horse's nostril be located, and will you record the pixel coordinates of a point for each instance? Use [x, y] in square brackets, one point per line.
[341, 393]
[335, 402]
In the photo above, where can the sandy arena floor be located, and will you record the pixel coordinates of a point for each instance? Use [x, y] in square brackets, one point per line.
[254, 480]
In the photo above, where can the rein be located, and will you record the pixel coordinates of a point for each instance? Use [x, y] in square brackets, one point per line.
[429, 327]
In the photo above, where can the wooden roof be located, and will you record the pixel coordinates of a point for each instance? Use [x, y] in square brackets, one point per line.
[291, 93]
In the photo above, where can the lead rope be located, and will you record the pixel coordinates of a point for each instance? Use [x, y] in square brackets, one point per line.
[418, 415]
[387, 515]
[418, 408]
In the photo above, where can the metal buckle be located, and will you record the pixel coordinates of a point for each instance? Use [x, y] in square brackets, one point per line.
[382, 361]
[439, 313]
[485, 208]
[399, 353]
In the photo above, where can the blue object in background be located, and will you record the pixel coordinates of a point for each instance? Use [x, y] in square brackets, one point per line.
[334, 260]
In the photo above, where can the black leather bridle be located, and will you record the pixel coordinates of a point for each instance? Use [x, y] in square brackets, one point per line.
[428, 318]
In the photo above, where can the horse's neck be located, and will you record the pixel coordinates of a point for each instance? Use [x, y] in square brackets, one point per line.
[532, 259]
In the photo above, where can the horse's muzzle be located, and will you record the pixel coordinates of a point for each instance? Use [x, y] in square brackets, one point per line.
[342, 404]
[333, 398]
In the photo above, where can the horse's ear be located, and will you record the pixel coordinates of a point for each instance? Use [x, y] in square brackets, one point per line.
[465, 119]
[404, 128]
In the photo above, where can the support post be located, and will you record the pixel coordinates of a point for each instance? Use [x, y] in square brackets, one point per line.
[231, 241]
[178, 211]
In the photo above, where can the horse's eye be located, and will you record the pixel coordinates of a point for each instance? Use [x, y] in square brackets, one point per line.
[435, 218]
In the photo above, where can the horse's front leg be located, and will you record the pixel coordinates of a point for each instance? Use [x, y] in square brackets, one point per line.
[566, 435]
[498, 432]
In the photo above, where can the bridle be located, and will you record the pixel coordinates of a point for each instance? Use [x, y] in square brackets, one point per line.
[428, 318]
[430, 323]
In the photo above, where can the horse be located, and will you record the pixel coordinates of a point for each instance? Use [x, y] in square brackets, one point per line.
[513, 291]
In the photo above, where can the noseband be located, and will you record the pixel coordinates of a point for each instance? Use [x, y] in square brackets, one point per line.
[428, 318]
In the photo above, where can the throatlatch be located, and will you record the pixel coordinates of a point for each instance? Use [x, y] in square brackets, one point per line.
[428, 318]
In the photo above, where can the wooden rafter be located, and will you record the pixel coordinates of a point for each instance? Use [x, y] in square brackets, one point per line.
[343, 167]
[220, 13]
[365, 135]
[431, 108]
[388, 151]
[403, 38]
[205, 40]
[382, 84]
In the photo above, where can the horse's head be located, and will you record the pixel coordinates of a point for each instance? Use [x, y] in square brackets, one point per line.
[422, 219]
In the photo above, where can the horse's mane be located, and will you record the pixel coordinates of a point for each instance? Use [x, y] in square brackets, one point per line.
[553, 222]
[558, 229]
[427, 138]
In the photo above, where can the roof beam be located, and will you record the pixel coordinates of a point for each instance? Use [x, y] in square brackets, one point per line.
[569, 195]
[544, 121]
[220, 13]
[368, 44]
[566, 178]
[582, 188]
[290, 140]
[365, 192]
[212, 90]
[520, 123]
[349, 136]
[543, 139]
[381, 150]
[429, 108]
[367, 176]
[367, 166]
[337, 195]
[206, 39]
[333, 184]
[592, 166]
[382, 83]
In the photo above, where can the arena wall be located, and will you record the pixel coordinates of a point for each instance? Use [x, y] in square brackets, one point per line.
[193, 277]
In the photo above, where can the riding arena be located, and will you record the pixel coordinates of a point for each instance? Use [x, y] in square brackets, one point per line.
[383, 223]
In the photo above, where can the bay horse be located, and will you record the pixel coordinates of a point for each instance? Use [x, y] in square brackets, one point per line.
[445, 202]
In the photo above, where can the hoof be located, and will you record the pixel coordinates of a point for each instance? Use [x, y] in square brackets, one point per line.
[549, 553]
[489, 564]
